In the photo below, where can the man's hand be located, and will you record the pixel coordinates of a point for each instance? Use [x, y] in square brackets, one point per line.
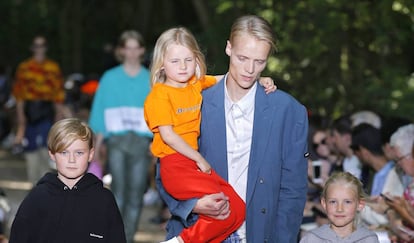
[213, 205]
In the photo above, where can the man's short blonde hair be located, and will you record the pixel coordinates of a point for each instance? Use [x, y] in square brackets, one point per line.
[255, 26]
[64, 132]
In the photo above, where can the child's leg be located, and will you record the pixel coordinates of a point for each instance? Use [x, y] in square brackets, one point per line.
[182, 180]
[207, 229]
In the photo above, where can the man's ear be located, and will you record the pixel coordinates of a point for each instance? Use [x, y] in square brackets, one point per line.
[52, 156]
[364, 151]
[228, 48]
[348, 137]
[141, 51]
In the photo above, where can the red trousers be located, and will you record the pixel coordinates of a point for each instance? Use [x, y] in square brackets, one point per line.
[182, 179]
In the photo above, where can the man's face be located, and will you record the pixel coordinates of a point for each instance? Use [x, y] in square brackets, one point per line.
[405, 161]
[248, 58]
[132, 51]
[342, 142]
[39, 47]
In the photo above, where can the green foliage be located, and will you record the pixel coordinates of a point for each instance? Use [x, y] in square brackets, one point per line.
[339, 57]
[335, 56]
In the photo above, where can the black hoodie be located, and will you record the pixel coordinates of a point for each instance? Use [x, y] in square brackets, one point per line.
[53, 213]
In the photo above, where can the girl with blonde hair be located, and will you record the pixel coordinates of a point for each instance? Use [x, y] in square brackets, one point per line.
[342, 198]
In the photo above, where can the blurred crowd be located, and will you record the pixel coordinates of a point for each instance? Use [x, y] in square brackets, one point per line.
[379, 151]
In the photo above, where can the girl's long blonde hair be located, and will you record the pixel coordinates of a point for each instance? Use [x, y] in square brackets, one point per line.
[179, 36]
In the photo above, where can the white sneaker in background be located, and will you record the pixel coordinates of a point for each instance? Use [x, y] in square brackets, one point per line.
[151, 197]
[173, 240]
[107, 180]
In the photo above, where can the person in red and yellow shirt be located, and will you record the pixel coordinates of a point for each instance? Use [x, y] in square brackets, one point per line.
[39, 93]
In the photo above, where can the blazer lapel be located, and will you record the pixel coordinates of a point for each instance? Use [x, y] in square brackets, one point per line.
[215, 124]
[261, 127]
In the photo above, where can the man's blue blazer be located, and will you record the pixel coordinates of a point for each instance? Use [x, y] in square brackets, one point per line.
[277, 173]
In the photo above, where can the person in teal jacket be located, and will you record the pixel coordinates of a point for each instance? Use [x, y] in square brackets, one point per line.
[118, 120]
[257, 142]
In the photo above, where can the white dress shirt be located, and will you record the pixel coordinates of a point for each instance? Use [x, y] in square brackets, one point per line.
[239, 130]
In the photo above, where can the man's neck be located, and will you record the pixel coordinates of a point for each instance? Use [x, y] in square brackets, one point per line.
[349, 153]
[234, 91]
[132, 68]
[39, 58]
[378, 162]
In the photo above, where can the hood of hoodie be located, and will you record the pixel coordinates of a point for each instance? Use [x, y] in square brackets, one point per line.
[326, 233]
[56, 186]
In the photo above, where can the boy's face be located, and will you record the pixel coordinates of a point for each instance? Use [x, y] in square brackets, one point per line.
[72, 163]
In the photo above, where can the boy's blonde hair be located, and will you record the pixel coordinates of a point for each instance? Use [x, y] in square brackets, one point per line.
[255, 26]
[64, 132]
[179, 36]
[127, 35]
[345, 178]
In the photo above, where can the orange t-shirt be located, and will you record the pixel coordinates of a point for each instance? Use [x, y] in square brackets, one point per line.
[178, 107]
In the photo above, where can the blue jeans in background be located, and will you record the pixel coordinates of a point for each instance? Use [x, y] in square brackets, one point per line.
[128, 160]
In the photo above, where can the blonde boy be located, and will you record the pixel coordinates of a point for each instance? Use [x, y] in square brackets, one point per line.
[70, 205]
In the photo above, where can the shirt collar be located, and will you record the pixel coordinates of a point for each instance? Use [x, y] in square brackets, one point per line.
[386, 168]
[246, 103]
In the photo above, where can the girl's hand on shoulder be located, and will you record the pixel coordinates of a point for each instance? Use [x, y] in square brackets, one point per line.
[268, 84]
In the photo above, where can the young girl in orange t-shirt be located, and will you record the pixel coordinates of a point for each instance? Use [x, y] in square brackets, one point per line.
[172, 112]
